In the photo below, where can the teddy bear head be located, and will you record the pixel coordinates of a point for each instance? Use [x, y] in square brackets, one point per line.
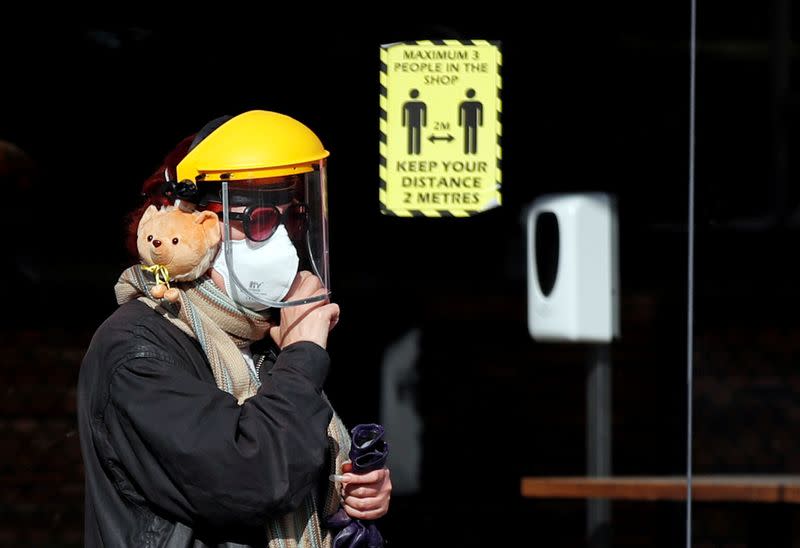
[186, 243]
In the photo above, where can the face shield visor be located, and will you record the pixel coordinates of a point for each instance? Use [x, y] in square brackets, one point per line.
[272, 229]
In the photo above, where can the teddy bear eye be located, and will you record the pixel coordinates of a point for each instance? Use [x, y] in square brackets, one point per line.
[174, 241]
[150, 238]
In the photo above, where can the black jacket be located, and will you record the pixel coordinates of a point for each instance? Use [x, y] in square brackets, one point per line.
[171, 460]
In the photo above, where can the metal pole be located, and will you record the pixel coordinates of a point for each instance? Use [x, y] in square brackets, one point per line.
[598, 441]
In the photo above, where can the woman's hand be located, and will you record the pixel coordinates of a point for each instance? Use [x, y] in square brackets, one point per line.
[308, 322]
[366, 496]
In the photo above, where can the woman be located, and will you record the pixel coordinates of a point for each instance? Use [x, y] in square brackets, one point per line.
[205, 423]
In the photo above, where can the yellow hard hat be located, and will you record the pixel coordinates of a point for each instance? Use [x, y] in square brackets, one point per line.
[254, 145]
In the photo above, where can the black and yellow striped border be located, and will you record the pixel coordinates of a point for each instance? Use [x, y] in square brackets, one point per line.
[384, 129]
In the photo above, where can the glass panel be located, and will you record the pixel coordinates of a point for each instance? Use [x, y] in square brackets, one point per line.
[746, 402]
[434, 339]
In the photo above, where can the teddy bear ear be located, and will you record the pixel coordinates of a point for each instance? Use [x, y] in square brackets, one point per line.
[210, 223]
[148, 214]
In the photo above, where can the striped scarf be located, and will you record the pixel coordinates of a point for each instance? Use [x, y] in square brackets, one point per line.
[222, 329]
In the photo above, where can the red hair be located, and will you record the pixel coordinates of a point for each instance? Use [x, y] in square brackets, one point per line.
[153, 191]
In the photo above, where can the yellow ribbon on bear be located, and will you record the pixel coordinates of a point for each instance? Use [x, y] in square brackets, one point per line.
[160, 273]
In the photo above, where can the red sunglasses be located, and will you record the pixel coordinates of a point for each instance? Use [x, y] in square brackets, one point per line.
[261, 222]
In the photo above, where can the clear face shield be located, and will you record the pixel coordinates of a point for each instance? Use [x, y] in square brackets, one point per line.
[272, 229]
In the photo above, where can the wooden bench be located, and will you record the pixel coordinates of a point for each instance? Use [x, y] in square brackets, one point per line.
[744, 488]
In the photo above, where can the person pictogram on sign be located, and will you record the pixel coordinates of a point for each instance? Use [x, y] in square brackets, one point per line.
[470, 115]
[414, 116]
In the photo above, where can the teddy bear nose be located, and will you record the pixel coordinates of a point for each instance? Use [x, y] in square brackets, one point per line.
[156, 243]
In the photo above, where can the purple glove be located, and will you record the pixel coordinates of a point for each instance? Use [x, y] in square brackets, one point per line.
[354, 533]
[368, 451]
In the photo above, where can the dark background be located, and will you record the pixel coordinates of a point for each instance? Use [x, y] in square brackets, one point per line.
[594, 99]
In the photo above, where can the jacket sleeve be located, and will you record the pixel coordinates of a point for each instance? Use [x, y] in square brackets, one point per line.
[198, 456]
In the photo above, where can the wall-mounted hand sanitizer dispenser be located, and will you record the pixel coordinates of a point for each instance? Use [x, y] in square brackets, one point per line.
[573, 268]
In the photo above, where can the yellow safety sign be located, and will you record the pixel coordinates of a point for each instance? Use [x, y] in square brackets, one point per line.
[440, 128]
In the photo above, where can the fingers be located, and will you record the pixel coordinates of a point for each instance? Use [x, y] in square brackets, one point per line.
[370, 514]
[361, 492]
[366, 508]
[310, 322]
[376, 476]
[309, 284]
[368, 491]
[366, 496]
[333, 318]
[305, 284]
[299, 278]
[319, 312]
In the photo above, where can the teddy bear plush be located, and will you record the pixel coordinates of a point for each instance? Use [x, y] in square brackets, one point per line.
[176, 245]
